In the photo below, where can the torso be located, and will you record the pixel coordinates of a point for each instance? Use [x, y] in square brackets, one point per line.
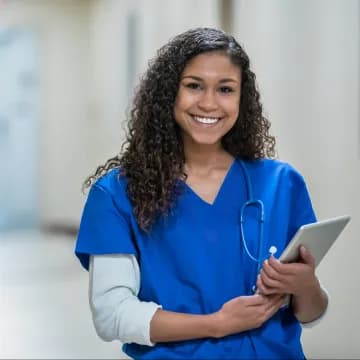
[194, 260]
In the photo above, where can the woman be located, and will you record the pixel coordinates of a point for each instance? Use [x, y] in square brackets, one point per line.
[179, 268]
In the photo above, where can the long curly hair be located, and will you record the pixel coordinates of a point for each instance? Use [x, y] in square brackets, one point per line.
[153, 155]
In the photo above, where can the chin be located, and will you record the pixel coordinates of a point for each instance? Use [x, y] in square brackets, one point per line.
[207, 141]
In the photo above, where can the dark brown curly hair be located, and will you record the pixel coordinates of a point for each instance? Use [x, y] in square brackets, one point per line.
[153, 159]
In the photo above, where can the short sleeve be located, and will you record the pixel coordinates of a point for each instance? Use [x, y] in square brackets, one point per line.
[104, 228]
[301, 211]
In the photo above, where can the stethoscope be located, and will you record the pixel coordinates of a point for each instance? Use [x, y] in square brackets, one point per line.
[259, 205]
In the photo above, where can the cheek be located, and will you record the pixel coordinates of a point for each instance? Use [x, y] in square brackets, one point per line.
[177, 109]
[229, 104]
[236, 110]
[232, 108]
[182, 102]
[179, 112]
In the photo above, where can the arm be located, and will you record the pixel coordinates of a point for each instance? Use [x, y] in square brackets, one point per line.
[172, 326]
[310, 305]
[312, 323]
[119, 314]
[238, 314]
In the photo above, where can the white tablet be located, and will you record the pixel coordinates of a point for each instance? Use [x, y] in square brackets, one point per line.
[316, 237]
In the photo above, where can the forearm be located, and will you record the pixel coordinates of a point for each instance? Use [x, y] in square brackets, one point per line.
[310, 305]
[168, 326]
[239, 314]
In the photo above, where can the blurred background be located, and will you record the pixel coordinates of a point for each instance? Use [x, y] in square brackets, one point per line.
[67, 72]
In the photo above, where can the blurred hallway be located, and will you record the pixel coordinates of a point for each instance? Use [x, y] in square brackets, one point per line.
[67, 74]
[43, 304]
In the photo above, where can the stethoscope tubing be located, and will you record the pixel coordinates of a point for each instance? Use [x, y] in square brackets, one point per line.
[261, 219]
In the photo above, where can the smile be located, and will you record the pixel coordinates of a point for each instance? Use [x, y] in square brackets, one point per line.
[206, 120]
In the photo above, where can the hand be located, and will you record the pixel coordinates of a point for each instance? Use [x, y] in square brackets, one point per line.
[294, 278]
[246, 312]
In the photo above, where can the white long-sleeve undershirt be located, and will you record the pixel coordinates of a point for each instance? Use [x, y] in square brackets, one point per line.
[118, 314]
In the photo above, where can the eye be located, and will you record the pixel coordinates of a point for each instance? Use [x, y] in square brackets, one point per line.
[193, 86]
[226, 89]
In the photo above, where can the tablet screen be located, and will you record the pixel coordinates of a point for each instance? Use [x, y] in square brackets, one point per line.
[316, 237]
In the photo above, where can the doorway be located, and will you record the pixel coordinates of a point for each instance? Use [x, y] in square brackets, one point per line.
[19, 112]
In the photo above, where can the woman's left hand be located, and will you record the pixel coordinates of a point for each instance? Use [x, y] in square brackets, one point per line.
[294, 278]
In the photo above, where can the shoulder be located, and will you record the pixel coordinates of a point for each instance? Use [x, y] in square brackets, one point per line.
[113, 185]
[276, 169]
[113, 180]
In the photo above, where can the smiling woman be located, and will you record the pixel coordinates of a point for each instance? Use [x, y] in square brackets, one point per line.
[154, 159]
[160, 232]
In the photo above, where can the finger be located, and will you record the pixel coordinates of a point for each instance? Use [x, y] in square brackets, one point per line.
[306, 256]
[277, 302]
[270, 271]
[271, 278]
[293, 269]
[281, 302]
[273, 306]
[252, 300]
[260, 286]
[283, 269]
[263, 289]
[273, 298]
[270, 282]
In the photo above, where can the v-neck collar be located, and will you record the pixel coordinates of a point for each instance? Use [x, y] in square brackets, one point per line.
[220, 190]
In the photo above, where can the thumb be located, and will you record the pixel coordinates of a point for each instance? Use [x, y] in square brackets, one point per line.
[306, 256]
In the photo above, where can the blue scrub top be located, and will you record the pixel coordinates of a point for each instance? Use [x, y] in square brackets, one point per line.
[193, 261]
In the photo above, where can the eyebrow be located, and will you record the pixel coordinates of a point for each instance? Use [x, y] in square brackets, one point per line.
[200, 79]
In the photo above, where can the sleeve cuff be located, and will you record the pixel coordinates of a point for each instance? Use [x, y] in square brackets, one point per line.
[117, 311]
[136, 320]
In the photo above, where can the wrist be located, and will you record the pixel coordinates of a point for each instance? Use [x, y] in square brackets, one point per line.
[310, 304]
[215, 325]
[312, 289]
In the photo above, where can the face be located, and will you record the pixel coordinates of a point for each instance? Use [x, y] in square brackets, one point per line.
[207, 103]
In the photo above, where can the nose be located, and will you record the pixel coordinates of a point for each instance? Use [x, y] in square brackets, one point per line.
[208, 101]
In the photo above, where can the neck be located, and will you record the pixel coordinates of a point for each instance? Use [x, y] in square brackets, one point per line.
[204, 156]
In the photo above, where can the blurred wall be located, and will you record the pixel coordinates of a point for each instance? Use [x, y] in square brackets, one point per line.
[61, 28]
[306, 57]
[91, 53]
[124, 37]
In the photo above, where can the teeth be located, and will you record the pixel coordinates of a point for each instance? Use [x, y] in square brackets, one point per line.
[205, 120]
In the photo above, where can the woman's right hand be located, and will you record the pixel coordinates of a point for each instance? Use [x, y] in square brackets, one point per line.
[246, 312]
